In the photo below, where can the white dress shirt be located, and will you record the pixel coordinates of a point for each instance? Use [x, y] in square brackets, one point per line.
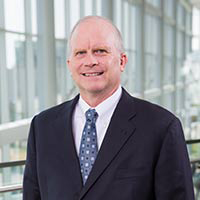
[105, 111]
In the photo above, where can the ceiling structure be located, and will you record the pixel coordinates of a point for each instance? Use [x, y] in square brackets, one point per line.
[196, 3]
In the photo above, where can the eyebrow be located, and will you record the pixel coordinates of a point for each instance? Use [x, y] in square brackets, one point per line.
[94, 48]
[102, 47]
[75, 50]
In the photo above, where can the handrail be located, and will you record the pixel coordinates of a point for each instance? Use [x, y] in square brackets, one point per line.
[14, 131]
[193, 141]
[18, 187]
[194, 161]
[12, 163]
[10, 188]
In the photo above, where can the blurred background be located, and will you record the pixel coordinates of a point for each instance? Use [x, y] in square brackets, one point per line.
[161, 38]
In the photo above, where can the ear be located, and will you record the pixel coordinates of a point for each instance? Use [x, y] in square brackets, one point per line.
[68, 63]
[123, 61]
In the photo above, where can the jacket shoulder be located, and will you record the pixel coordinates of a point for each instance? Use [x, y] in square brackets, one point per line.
[151, 108]
[154, 115]
[55, 111]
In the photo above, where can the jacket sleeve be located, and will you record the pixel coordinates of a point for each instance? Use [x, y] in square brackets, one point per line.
[31, 189]
[173, 177]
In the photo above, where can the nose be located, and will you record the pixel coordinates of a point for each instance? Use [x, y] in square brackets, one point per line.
[90, 60]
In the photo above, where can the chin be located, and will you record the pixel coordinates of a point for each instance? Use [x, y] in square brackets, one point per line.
[93, 87]
[94, 90]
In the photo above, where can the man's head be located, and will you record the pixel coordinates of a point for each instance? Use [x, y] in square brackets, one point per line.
[96, 57]
[119, 42]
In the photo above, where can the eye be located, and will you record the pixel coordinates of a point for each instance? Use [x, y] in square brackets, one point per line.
[100, 51]
[78, 53]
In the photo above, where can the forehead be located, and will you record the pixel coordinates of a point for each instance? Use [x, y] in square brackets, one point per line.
[93, 32]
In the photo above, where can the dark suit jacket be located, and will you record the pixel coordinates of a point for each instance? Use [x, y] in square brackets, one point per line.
[143, 156]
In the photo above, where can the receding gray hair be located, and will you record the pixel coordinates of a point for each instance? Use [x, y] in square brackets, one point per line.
[119, 43]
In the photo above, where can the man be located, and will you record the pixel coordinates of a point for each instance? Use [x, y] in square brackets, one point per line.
[105, 144]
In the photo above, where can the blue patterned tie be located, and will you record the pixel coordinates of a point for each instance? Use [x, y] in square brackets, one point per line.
[88, 147]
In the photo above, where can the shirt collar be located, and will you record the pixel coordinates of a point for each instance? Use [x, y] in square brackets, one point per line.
[104, 106]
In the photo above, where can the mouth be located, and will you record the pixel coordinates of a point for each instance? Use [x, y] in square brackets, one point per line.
[92, 74]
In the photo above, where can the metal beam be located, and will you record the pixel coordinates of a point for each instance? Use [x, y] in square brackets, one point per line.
[4, 102]
[13, 131]
[12, 163]
[10, 188]
[46, 71]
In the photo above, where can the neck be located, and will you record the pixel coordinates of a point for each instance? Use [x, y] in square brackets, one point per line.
[94, 99]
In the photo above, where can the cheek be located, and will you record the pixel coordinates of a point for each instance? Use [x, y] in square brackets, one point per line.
[114, 66]
[111, 63]
[74, 68]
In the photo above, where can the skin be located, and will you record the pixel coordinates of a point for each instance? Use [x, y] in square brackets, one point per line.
[95, 61]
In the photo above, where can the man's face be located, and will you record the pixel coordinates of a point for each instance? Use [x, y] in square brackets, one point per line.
[95, 62]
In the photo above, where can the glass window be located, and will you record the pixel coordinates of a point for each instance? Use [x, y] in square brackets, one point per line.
[168, 70]
[14, 151]
[181, 15]
[20, 56]
[130, 71]
[98, 7]
[196, 22]
[14, 15]
[168, 55]
[34, 16]
[156, 3]
[118, 14]
[188, 21]
[179, 101]
[74, 12]
[126, 26]
[35, 74]
[169, 101]
[59, 17]
[195, 43]
[187, 44]
[15, 54]
[133, 27]
[180, 40]
[12, 175]
[129, 38]
[196, 29]
[11, 195]
[155, 100]
[1, 15]
[180, 55]
[88, 7]
[152, 52]
[169, 6]
[61, 70]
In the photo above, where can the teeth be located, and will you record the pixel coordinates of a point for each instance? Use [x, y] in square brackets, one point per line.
[93, 74]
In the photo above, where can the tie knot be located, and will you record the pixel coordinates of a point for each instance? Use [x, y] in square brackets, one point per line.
[91, 115]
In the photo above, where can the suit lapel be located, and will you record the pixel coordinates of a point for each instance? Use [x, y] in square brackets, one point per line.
[63, 128]
[119, 131]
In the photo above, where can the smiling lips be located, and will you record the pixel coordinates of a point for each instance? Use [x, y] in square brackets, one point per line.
[92, 74]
